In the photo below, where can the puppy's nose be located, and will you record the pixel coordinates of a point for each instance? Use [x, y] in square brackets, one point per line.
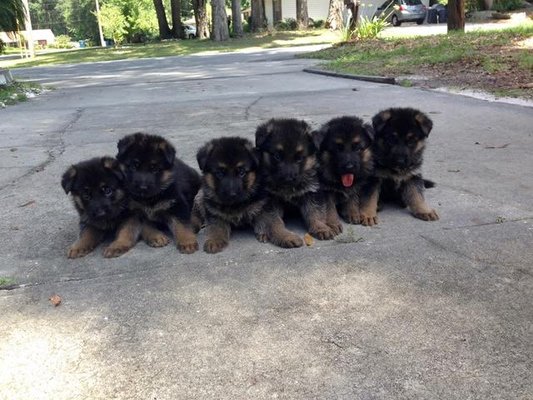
[143, 187]
[100, 213]
[348, 166]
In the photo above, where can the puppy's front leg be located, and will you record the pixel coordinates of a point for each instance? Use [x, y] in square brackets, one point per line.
[217, 236]
[127, 236]
[90, 237]
[313, 210]
[332, 216]
[153, 236]
[413, 195]
[368, 205]
[184, 236]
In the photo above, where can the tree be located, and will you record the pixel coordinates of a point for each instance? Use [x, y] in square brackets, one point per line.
[46, 14]
[456, 15]
[220, 21]
[164, 29]
[236, 20]
[11, 15]
[200, 16]
[114, 23]
[79, 18]
[177, 27]
[258, 15]
[302, 16]
[334, 20]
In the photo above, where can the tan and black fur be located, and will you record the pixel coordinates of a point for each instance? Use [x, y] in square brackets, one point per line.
[400, 140]
[161, 189]
[97, 188]
[290, 169]
[232, 194]
[346, 167]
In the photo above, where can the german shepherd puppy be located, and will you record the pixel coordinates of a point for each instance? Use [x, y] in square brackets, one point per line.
[161, 189]
[290, 169]
[98, 192]
[400, 140]
[347, 165]
[231, 193]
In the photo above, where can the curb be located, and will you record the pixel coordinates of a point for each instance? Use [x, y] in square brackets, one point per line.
[376, 79]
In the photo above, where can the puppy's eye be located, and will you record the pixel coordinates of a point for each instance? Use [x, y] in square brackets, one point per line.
[277, 156]
[154, 168]
[134, 165]
[107, 191]
[299, 158]
[219, 173]
[356, 146]
[241, 172]
[86, 196]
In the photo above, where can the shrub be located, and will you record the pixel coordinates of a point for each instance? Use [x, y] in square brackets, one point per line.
[2, 46]
[506, 5]
[288, 24]
[62, 42]
[369, 28]
[319, 24]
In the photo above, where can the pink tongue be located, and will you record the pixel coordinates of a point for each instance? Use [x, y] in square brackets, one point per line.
[347, 180]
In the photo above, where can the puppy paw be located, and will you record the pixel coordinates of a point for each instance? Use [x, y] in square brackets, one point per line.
[214, 246]
[158, 241]
[262, 237]
[115, 250]
[429, 216]
[335, 226]
[187, 247]
[322, 232]
[353, 218]
[78, 252]
[369, 220]
[291, 240]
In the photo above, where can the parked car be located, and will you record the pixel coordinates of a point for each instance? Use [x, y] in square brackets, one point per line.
[190, 31]
[398, 11]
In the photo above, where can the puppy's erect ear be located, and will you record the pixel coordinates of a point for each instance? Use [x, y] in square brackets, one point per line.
[254, 154]
[369, 131]
[113, 166]
[203, 155]
[262, 133]
[319, 136]
[124, 145]
[68, 179]
[168, 151]
[380, 120]
[424, 122]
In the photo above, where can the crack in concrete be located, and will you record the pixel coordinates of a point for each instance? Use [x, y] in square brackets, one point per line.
[53, 152]
[248, 108]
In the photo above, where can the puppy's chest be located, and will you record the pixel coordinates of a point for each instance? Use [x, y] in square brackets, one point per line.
[238, 215]
[396, 177]
[293, 194]
[155, 211]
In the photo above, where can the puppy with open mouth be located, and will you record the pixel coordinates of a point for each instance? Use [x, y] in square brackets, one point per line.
[346, 167]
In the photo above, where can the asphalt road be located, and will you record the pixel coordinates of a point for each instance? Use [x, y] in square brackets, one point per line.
[405, 310]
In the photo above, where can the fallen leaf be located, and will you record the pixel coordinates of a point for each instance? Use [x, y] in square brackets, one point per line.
[55, 300]
[29, 203]
[308, 239]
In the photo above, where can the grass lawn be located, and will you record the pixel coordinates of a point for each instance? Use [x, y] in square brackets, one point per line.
[177, 47]
[499, 62]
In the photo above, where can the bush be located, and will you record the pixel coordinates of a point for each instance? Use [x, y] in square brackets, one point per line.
[369, 28]
[506, 5]
[2, 46]
[319, 24]
[62, 42]
[288, 24]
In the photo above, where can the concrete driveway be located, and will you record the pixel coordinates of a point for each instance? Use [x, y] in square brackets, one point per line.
[405, 310]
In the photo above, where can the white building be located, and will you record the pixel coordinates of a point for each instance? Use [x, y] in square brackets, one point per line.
[42, 37]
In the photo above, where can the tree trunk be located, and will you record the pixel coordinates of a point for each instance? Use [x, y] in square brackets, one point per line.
[258, 15]
[164, 30]
[236, 19]
[220, 21]
[302, 16]
[334, 20]
[456, 15]
[200, 16]
[177, 27]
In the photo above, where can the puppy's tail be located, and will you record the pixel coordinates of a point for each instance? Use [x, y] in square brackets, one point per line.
[429, 184]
